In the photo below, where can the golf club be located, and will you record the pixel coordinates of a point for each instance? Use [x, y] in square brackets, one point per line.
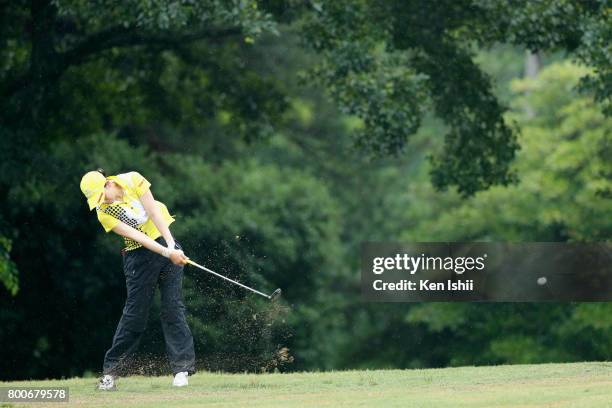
[275, 295]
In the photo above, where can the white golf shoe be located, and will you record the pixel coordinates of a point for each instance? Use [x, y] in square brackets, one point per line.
[180, 379]
[107, 383]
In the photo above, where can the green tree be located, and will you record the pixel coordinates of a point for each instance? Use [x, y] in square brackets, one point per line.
[390, 62]
[564, 191]
[8, 270]
[563, 195]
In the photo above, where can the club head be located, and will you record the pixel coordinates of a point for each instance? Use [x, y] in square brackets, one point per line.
[275, 295]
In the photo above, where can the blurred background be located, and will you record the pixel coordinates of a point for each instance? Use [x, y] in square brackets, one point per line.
[282, 134]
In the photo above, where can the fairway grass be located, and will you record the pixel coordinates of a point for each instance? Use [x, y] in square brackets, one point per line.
[543, 385]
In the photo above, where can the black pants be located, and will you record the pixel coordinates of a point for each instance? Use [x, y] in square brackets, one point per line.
[144, 270]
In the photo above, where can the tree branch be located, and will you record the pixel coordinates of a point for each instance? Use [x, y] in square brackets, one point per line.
[127, 37]
[117, 36]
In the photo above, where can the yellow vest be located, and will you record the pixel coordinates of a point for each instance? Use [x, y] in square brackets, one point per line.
[130, 210]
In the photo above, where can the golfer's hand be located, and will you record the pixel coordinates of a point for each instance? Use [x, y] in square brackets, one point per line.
[178, 257]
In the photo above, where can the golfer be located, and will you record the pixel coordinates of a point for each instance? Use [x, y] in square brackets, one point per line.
[125, 205]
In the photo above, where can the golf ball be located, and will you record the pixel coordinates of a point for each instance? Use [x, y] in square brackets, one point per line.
[542, 280]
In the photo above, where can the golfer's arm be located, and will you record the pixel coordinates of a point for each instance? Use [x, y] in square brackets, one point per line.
[148, 202]
[126, 231]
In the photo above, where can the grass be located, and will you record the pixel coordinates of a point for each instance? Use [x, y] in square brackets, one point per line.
[543, 385]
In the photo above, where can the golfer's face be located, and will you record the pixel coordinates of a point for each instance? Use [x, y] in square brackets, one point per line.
[109, 192]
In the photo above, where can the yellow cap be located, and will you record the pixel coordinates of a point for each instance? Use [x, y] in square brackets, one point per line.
[92, 185]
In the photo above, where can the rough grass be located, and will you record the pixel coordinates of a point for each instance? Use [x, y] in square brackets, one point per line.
[544, 385]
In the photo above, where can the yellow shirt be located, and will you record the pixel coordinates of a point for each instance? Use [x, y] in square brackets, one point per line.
[130, 210]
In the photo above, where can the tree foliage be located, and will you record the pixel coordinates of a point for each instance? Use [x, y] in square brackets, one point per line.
[562, 195]
[565, 173]
[418, 55]
[9, 275]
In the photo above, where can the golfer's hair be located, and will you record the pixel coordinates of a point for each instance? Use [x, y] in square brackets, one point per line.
[99, 170]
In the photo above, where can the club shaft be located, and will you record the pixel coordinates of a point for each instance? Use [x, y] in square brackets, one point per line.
[227, 279]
